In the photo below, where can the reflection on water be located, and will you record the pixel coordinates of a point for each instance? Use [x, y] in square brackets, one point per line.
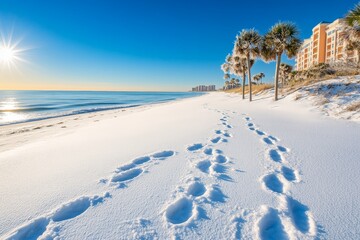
[7, 113]
[8, 105]
[23, 106]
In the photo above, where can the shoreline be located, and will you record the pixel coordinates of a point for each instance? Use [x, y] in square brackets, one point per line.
[94, 110]
[23, 132]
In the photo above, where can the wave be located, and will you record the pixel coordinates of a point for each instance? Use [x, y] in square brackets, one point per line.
[40, 107]
[64, 114]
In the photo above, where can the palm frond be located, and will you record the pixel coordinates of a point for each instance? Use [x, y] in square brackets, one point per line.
[353, 16]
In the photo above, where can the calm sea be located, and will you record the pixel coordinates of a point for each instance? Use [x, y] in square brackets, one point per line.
[23, 106]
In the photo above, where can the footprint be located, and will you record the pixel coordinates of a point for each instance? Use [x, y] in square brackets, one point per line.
[270, 226]
[275, 156]
[204, 166]
[216, 195]
[196, 189]
[218, 131]
[225, 177]
[218, 151]
[273, 183]
[251, 128]
[37, 227]
[125, 167]
[283, 149]
[126, 175]
[288, 174]
[247, 118]
[163, 154]
[227, 135]
[219, 168]
[31, 230]
[228, 126]
[208, 151]
[141, 160]
[195, 147]
[260, 133]
[215, 140]
[180, 211]
[250, 124]
[220, 159]
[267, 141]
[71, 209]
[273, 138]
[300, 215]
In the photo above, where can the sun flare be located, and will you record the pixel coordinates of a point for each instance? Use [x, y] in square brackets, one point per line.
[6, 54]
[10, 53]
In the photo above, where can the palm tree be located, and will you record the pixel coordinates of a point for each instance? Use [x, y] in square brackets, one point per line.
[353, 16]
[282, 38]
[232, 83]
[352, 31]
[227, 69]
[258, 77]
[240, 69]
[227, 84]
[247, 47]
[284, 72]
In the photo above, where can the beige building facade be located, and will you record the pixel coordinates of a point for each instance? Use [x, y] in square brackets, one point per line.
[324, 46]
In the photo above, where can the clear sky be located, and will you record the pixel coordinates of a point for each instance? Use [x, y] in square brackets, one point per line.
[141, 45]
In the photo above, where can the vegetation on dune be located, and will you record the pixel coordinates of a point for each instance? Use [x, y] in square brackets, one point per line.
[255, 89]
[354, 107]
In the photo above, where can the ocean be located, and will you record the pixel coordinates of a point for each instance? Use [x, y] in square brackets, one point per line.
[25, 106]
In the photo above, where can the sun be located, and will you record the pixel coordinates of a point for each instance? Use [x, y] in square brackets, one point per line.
[10, 53]
[6, 54]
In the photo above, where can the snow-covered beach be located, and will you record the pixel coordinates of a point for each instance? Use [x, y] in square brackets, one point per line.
[208, 167]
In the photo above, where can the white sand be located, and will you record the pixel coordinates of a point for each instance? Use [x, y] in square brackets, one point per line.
[191, 169]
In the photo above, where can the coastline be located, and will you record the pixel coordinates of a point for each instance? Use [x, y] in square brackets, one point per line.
[23, 132]
[66, 107]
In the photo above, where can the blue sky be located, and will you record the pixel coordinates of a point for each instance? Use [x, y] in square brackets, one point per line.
[142, 45]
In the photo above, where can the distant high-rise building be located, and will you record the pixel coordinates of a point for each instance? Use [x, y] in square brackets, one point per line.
[203, 88]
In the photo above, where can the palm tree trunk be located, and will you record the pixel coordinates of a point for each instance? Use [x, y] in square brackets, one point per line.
[278, 61]
[249, 77]
[243, 84]
[358, 58]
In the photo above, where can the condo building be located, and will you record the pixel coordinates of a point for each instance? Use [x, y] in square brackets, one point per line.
[324, 46]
